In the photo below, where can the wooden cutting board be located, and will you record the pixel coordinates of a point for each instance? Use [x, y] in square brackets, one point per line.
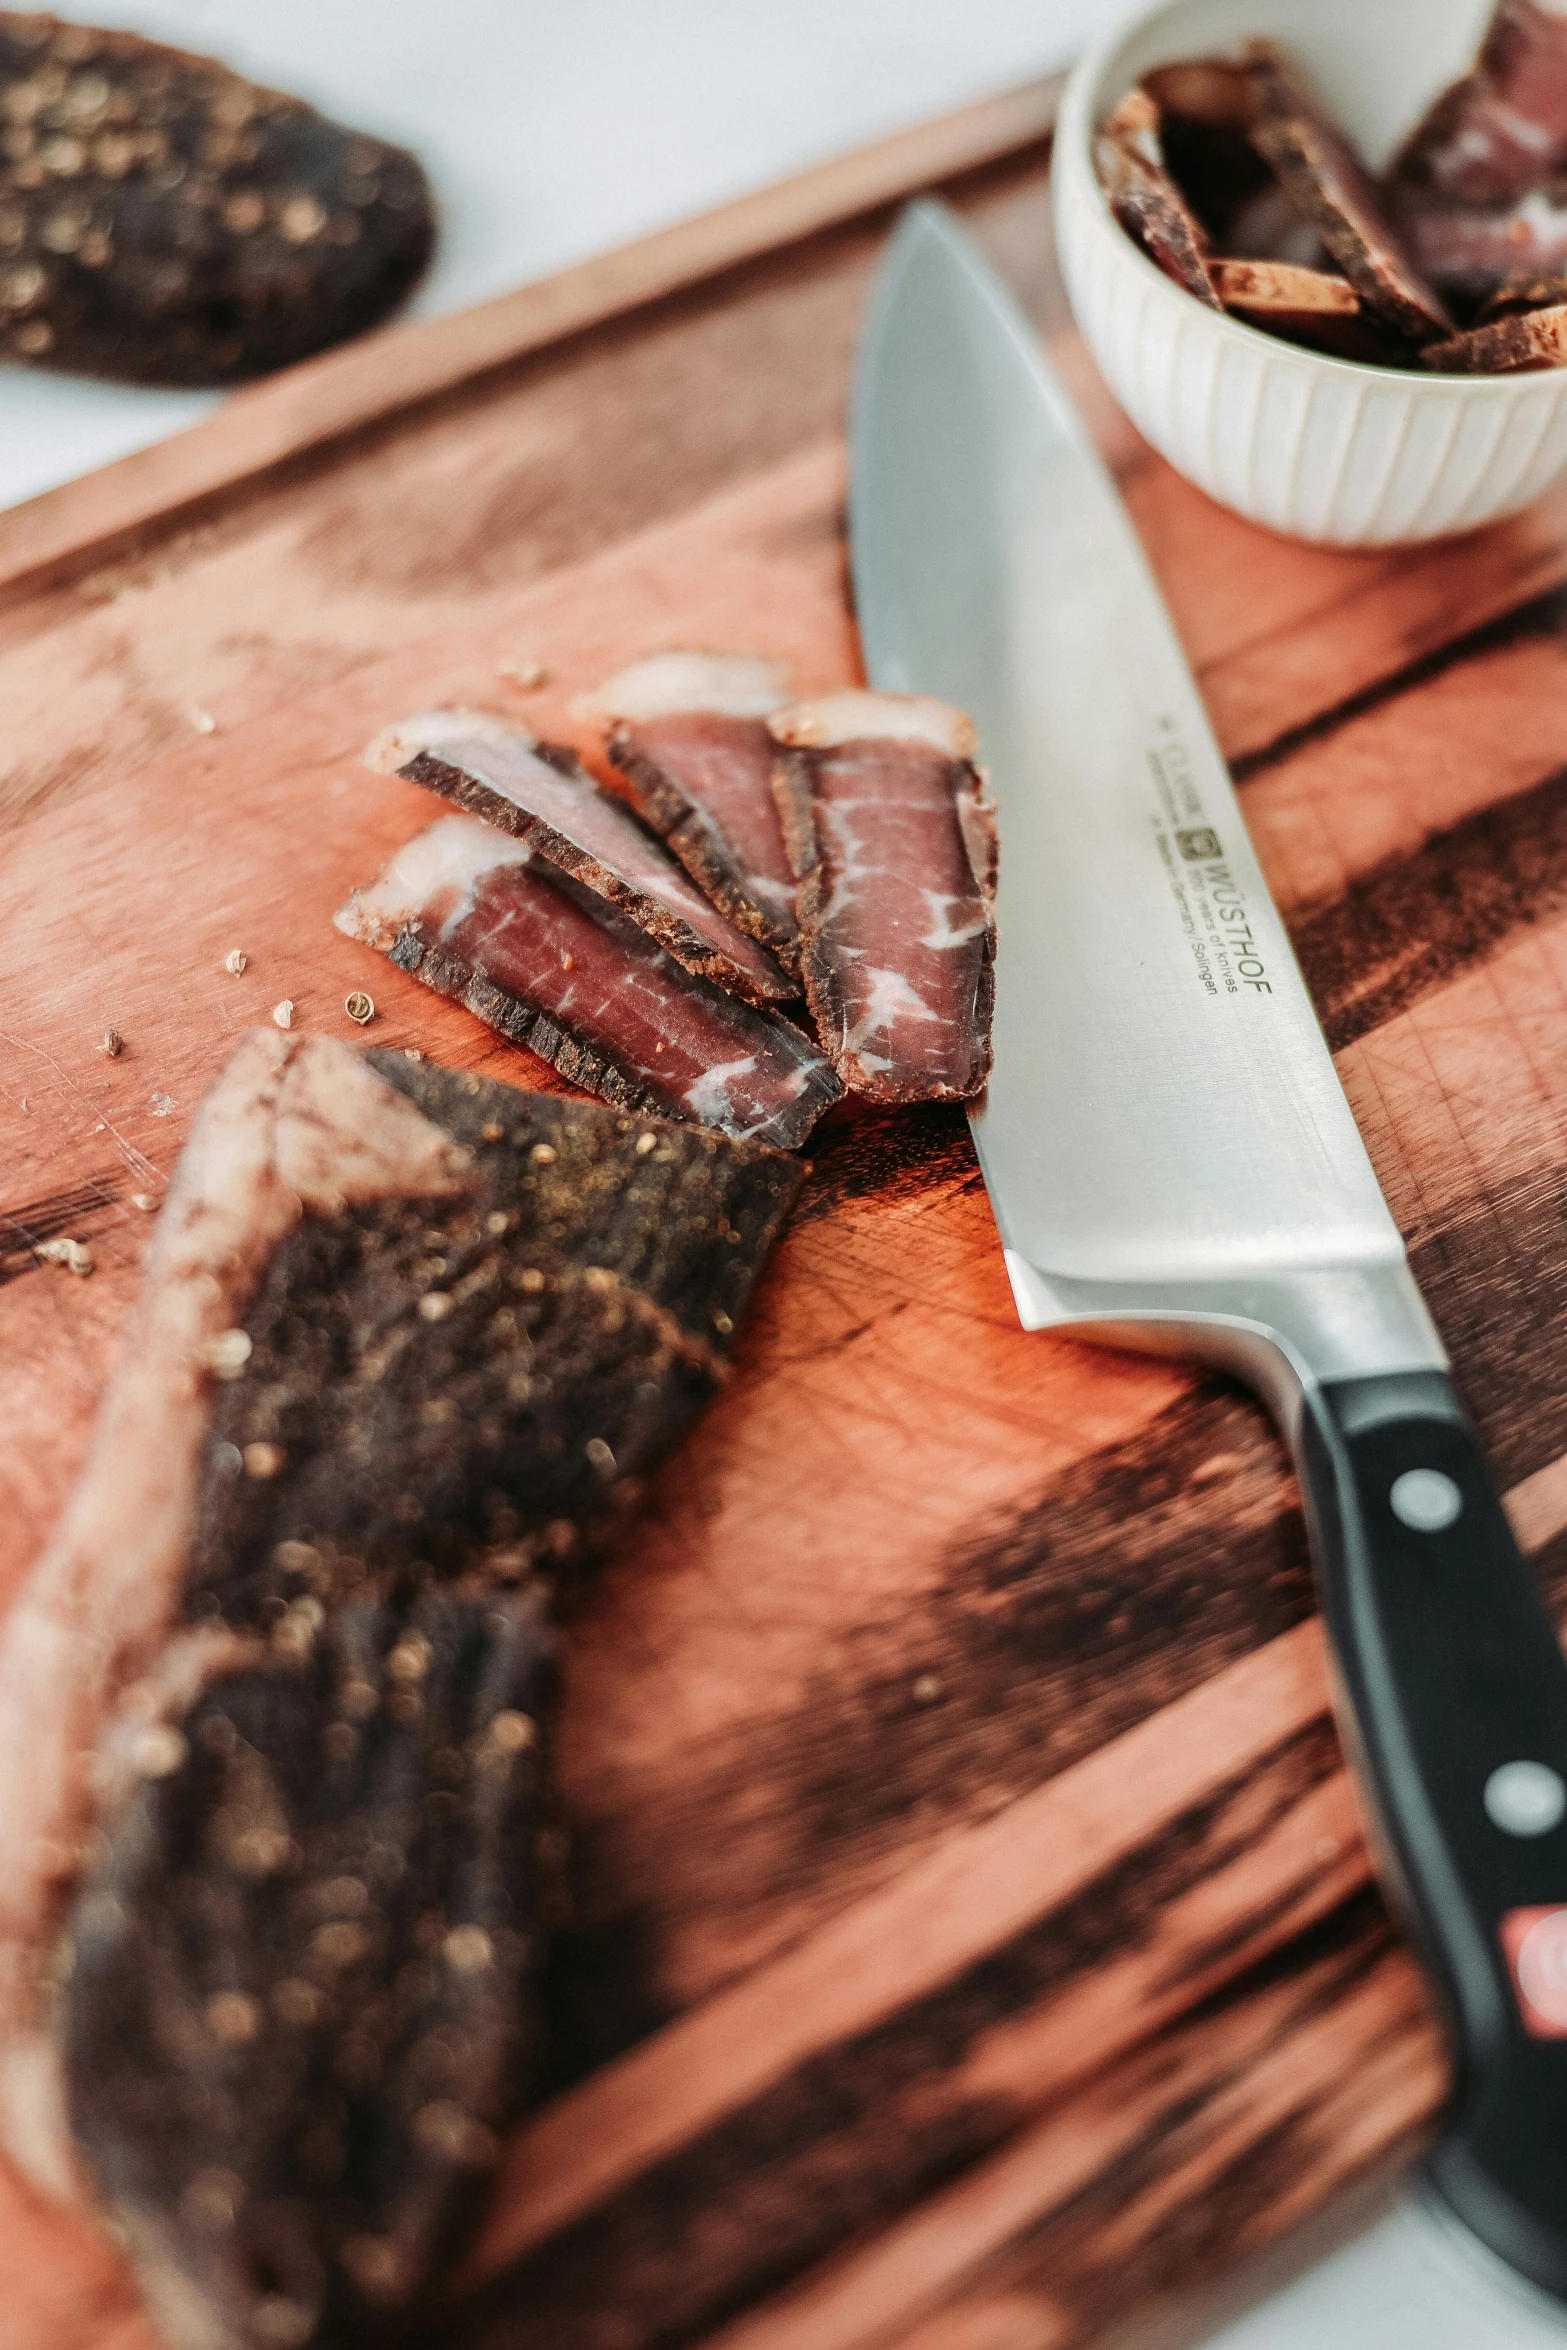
[972, 1934]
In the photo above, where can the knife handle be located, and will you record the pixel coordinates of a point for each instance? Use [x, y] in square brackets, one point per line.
[1453, 1693]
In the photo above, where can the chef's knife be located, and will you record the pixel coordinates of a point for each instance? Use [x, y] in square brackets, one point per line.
[1172, 1164]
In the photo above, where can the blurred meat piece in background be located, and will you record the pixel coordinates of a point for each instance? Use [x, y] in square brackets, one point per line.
[163, 221]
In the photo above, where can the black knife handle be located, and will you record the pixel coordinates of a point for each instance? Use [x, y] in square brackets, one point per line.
[1456, 1704]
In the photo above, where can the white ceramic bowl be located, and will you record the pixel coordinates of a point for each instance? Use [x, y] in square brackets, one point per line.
[1322, 448]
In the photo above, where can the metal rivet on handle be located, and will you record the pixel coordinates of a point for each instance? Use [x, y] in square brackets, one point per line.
[1425, 1500]
[1525, 1798]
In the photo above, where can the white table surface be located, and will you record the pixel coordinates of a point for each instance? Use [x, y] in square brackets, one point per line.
[555, 129]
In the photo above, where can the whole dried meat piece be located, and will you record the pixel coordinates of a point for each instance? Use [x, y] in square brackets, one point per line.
[1522, 344]
[283, 1677]
[304, 1969]
[498, 769]
[475, 914]
[893, 838]
[687, 732]
[1145, 198]
[1472, 251]
[1502, 129]
[1318, 169]
[164, 221]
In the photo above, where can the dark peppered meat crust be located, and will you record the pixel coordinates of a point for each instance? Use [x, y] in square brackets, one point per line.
[301, 1994]
[301, 2004]
[429, 1380]
[164, 221]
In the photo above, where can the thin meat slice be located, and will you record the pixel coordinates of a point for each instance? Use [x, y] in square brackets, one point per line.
[687, 732]
[894, 841]
[1502, 129]
[1325, 180]
[1145, 198]
[276, 1702]
[478, 916]
[497, 769]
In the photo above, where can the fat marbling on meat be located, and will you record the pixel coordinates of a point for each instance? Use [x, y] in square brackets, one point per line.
[498, 769]
[687, 731]
[1474, 251]
[893, 838]
[477, 915]
[1502, 129]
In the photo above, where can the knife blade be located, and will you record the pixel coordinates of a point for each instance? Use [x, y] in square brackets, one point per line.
[1172, 1164]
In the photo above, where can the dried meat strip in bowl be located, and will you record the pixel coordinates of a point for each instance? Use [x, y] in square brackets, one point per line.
[1502, 129]
[553, 966]
[688, 733]
[1321, 174]
[498, 769]
[1307, 306]
[1525, 342]
[1145, 198]
[894, 840]
[275, 1701]
[1473, 251]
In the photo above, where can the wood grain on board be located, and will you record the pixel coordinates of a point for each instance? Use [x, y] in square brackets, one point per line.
[972, 1938]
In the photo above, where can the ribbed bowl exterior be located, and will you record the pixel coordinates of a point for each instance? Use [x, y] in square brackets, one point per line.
[1318, 448]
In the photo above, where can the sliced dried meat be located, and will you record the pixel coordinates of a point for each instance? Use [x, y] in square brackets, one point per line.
[1145, 198]
[894, 842]
[1206, 108]
[404, 1335]
[1472, 251]
[1307, 306]
[498, 769]
[1522, 344]
[687, 732]
[1535, 293]
[1284, 289]
[164, 221]
[475, 915]
[1502, 129]
[1322, 175]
